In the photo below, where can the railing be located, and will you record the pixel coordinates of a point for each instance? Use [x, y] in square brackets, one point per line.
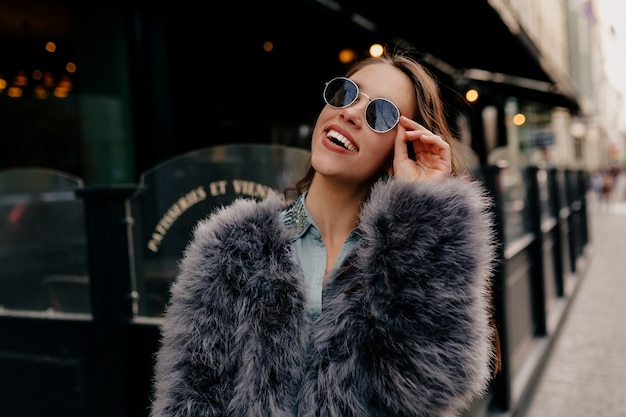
[134, 234]
[542, 260]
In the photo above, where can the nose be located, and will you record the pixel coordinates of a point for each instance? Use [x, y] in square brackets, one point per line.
[355, 112]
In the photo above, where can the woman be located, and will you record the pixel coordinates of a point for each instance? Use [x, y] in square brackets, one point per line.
[367, 296]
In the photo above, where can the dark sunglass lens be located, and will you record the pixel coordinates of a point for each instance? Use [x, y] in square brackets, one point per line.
[340, 92]
[381, 115]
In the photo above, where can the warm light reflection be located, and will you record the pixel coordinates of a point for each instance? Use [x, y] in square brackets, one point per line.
[21, 80]
[268, 46]
[40, 92]
[65, 83]
[471, 95]
[376, 50]
[346, 56]
[519, 119]
[14, 92]
[48, 79]
[60, 92]
[39, 84]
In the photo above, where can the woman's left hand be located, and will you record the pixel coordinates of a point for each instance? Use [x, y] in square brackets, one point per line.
[433, 159]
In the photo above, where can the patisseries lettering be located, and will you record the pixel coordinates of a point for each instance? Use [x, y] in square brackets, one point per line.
[213, 189]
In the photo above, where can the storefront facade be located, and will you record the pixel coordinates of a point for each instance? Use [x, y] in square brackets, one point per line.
[128, 86]
[130, 96]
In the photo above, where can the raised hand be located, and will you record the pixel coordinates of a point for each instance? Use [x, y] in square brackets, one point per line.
[433, 159]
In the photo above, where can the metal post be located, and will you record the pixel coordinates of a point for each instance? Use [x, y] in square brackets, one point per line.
[108, 224]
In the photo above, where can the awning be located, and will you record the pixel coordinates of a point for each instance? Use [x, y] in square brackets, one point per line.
[466, 38]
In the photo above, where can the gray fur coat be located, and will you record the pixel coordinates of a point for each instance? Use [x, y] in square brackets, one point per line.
[404, 330]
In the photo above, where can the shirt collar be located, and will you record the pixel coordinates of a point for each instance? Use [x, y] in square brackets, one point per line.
[297, 216]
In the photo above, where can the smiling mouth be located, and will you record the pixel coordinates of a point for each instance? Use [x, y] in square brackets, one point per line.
[339, 139]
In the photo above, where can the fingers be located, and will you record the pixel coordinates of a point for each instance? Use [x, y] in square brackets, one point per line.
[432, 153]
[400, 149]
[420, 136]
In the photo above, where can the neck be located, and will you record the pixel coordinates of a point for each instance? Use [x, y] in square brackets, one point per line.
[334, 207]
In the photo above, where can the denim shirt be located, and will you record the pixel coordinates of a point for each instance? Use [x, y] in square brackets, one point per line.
[311, 252]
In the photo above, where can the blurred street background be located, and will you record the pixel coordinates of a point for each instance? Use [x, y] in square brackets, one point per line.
[586, 373]
[123, 123]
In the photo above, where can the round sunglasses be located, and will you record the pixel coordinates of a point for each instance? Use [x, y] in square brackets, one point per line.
[381, 114]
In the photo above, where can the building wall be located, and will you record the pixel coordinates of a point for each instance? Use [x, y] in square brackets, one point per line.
[567, 36]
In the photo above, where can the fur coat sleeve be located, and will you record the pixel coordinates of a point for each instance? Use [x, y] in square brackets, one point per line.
[404, 328]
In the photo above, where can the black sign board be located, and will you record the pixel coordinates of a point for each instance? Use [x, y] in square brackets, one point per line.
[175, 195]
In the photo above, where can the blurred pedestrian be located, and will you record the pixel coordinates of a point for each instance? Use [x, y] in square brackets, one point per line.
[368, 295]
[597, 184]
[607, 190]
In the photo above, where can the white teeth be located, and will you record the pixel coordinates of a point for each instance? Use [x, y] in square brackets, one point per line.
[338, 137]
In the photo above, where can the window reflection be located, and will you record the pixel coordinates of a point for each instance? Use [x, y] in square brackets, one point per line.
[42, 243]
[515, 203]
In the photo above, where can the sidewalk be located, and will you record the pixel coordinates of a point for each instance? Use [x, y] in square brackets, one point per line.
[585, 375]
